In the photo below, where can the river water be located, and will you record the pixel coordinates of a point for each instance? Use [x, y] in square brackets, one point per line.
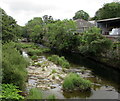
[107, 80]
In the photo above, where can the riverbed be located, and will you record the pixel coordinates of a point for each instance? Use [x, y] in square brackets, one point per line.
[105, 80]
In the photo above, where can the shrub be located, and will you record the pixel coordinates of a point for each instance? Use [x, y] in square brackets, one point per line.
[54, 71]
[10, 91]
[53, 77]
[93, 30]
[75, 82]
[51, 98]
[34, 57]
[14, 66]
[59, 61]
[25, 45]
[94, 44]
[32, 52]
[34, 94]
[37, 51]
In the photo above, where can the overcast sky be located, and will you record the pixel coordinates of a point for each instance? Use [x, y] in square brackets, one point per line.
[24, 10]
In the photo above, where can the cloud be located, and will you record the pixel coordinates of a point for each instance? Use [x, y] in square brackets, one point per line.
[24, 10]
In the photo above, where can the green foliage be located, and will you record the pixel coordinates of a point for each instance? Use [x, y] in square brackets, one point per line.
[31, 48]
[109, 10]
[48, 19]
[32, 52]
[60, 35]
[93, 30]
[93, 43]
[9, 27]
[81, 15]
[59, 61]
[51, 98]
[10, 91]
[75, 82]
[53, 71]
[34, 57]
[25, 45]
[53, 77]
[37, 51]
[35, 29]
[13, 66]
[34, 93]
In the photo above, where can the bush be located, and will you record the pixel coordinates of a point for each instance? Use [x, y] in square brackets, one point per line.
[34, 57]
[14, 66]
[94, 44]
[34, 94]
[32, 52]
[75, 82]
[53, 71]
[59, 61]
[10, 91]
[37, 51]
[25, 45]
[51, 98]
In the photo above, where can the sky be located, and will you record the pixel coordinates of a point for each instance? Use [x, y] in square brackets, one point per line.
[24, 10]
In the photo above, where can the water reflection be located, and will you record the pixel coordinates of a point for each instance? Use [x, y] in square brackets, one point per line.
[106, 79]
[77, 94]
[105, 74]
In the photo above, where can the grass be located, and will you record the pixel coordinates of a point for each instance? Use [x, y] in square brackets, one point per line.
[75, 82]
[53, 77]
[31, 48]
[53, 71]
[51, 98]
[59, 61]
[37, 51]
[25, 45]
[34, 57]
[34, 94]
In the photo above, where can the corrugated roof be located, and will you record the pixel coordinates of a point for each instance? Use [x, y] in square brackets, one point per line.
[111, 19]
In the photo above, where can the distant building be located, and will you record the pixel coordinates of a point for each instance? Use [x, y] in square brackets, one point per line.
[83, 25]
[109, 25]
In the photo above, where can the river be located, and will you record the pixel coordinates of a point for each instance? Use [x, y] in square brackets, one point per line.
[107, 80]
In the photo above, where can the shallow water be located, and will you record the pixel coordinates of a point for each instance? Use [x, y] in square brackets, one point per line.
[106, 80]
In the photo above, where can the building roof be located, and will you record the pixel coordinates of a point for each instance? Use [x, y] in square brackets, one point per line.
[110, 19]
[82, 23]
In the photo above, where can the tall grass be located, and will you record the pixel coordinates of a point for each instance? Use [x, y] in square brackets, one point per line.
[75, 82]
[59, 61]
[34, 94]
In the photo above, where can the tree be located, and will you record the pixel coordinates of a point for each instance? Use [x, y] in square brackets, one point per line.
[81, 15]
[47, 19]
[93, 43]
[60, 35]
[109, 10]
[9, 27]
[32, 28]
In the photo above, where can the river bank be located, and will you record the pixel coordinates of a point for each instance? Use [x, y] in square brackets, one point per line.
[45, 75]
